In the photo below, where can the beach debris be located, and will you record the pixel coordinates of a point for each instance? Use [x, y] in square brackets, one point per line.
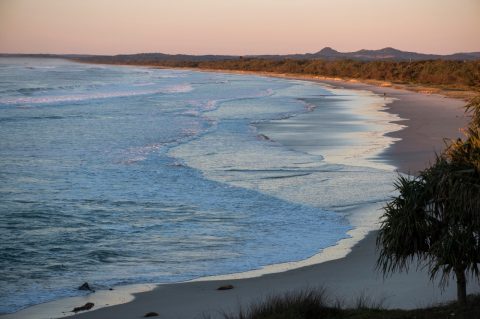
[87, 306]
[151, 314]
[263, 137]
[85, 286]
[225, 287]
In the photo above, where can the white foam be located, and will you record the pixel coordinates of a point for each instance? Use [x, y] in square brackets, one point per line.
[138, 154]
[180, 88]
[360, 217]
[183, 88]
[344, 179]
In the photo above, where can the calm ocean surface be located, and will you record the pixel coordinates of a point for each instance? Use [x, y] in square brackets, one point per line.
[117, 175]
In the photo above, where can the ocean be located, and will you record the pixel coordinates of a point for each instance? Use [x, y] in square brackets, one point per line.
[118, 175]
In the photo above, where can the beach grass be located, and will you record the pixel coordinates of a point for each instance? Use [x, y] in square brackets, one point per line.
[316, 304]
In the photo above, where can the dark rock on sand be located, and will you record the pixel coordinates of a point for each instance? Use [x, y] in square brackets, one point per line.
[263, 137]
[87, 306]
[226, 287]
[151, 314]
[85, 286]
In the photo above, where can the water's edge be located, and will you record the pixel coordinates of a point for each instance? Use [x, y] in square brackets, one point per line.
[357, 217]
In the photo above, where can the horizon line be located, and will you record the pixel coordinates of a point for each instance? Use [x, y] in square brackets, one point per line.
[234, 55]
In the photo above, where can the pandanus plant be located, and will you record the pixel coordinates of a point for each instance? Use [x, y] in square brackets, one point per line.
[435, 219]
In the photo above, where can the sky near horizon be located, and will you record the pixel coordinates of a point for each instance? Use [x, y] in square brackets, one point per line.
[237, 27]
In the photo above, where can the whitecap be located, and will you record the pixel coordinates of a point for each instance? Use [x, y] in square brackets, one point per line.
[183, 88]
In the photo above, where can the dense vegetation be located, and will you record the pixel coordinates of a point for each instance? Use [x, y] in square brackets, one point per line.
[317, 305]
[425, 72]
[451, 74]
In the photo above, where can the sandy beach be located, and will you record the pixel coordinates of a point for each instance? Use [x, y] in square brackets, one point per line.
[346, 278]
[428, 120]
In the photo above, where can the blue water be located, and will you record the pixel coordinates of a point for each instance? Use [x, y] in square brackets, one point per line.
[117, 175]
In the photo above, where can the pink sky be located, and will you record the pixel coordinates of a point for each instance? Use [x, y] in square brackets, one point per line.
[237, 26]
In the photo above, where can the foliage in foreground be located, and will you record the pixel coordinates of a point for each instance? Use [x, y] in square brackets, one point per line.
[435, 219]
[316, 305]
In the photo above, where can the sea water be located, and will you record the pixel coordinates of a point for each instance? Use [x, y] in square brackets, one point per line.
[117, 175]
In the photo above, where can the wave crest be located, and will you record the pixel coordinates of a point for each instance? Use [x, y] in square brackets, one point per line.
[181, 88]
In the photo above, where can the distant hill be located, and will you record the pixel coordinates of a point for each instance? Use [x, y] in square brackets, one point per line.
[327, 53]
[374, 55]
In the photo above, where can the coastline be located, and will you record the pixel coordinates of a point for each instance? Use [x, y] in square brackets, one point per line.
[347, 277]
[428, 120]
[441, 115]
[429, 115]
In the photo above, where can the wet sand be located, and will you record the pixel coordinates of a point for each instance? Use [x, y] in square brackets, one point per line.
[346, 278]
[428, 120]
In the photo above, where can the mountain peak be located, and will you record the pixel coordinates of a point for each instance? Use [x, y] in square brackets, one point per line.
[390, 50]
[327, 51]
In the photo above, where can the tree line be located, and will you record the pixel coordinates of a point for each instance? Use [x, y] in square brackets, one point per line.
[451, 74]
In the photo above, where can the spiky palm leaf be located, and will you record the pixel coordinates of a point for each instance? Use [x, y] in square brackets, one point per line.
[436, 216]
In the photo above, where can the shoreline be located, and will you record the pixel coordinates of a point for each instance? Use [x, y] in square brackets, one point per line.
[424, 131]
[408, 153]
[203, 291]
[450, 92]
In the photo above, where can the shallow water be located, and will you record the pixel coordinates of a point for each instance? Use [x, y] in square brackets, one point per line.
[117, 175]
